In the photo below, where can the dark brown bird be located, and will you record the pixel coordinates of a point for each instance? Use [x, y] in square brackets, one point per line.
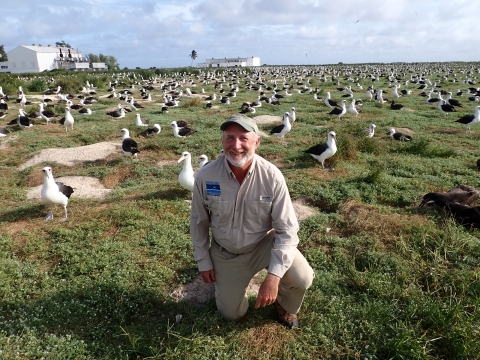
[462, 194]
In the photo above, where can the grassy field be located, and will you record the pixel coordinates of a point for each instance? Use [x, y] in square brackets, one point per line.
[393, 281]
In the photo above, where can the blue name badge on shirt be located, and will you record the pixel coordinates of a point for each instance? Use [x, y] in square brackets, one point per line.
[213, 188]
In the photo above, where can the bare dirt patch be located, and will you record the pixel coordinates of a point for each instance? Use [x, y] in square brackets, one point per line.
[198, 293]
[268, 119]
[302, 210]
[75, 155]
[84, 187]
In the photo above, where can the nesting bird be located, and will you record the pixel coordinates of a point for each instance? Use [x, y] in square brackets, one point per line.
[445, 108]
[399, 136]
[140, 122]
[155, 129]
[23, 120]
[462, 194]
[322, 152]
[394, 106]
[181, 131]
[54, 193]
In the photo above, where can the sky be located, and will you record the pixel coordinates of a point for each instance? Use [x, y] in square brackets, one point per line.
[163, 33]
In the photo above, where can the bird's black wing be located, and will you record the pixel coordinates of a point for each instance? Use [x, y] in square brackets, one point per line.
[65, 189]
[317, 149]
[466, 119]
[277, 129]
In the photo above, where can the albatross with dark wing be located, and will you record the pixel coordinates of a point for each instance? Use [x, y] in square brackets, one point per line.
[129, 146]
[156, 129]
[181, 131]
[324, 151]
[54, 192]
[445, 108]
[470, 120]
[399, 136]
[329, 102]
[282, 130]
[23, 120]
[339, 111]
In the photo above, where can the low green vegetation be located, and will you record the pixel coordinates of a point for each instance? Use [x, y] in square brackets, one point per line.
[393, 281]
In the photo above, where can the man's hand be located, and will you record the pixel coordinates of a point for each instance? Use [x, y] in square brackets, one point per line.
[268, 291]
[208, 276]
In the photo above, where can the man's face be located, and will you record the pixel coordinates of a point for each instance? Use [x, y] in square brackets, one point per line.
[239, 145]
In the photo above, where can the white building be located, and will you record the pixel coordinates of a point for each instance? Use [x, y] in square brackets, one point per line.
[230, 62]
[38, 58]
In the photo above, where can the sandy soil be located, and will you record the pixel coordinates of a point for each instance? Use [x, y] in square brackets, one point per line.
[268, 119]
[83, 186]
[72, 156]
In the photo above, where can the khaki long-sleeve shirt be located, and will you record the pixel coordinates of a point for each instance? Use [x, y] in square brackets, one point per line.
[240, 215]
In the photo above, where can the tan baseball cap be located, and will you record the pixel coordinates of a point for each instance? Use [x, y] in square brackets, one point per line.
[242, 120]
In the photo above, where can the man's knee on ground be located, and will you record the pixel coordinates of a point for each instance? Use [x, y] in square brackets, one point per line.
[230, 313]
[300, 280]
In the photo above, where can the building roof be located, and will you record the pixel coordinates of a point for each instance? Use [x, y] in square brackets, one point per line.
[49, 49]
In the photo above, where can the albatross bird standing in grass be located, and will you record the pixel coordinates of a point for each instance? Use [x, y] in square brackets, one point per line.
[282, 130]
[129, 146]
[54, 193]
[68, 120]
[322, 152]
[186, 177]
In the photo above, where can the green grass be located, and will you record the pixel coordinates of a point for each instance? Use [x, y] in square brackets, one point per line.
[393, 281]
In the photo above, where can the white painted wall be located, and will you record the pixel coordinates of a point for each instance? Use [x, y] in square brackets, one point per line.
[230, 62]
[37, 58]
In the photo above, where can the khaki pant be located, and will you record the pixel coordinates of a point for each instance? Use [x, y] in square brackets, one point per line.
[233, 273]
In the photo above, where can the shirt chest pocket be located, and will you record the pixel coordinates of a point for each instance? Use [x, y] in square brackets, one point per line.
[220, 212]
[257, 216]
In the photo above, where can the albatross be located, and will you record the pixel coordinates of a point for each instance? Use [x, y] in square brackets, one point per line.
[186, 177]
[398, 135]
[181, 131]
[54, 193]
[339, 111]
[155, 129]
[322, 152]
[202, 160]
[129, 146]
[282, 130]
[470, 120]
[68, 120]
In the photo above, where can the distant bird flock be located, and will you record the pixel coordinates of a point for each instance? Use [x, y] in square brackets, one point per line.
[269, 90]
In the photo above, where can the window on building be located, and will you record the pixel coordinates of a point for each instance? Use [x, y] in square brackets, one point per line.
[33, 64]
[24, 65]
[4, 66]
[14, 65]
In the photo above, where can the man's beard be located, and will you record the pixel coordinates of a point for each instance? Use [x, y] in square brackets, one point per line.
[240, 162]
